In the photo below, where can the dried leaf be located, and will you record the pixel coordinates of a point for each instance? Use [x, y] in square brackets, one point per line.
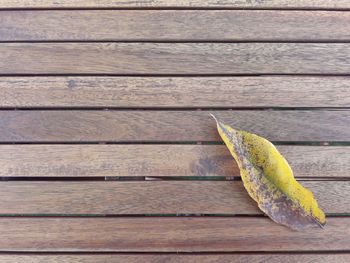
[269, 180]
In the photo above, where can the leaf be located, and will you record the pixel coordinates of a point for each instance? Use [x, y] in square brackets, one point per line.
[269, 180]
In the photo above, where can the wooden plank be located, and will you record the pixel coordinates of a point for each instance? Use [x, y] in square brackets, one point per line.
[174, 58]
[131, 160]
[151, 197]
[174, 92]
[168, 234]
[162, 126]
[148, 160]
[174, 25]
[304, 4]
[147, 258]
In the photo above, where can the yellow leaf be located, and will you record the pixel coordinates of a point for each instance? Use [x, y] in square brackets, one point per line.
[269, 180]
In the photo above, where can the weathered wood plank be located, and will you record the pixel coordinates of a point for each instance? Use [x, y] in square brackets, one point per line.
[170, 234]
[160, 126]
[174, 58]
[172, 258]
[149, 160]
[151, 197]
[134, 160]
[318, 4]
[174, 25]
[174, 92]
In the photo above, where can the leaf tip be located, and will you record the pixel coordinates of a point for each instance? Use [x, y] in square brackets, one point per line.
[218, 123]
[213, 116]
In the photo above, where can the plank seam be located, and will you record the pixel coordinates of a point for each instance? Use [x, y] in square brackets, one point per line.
[165, 108]
[170, 8]
[122, 179]
[178, 41]
[306, 143]
[178, 75]
[286, 75]
[143, 216]
[171, 253]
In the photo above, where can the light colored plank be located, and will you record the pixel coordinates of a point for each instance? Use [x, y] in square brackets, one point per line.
[160, 126]
[174, 58]
[174, 258]
[174, 92]
[151, 197]
[158, 160]
[168, 234]
[124, 160]
[328, 4]
[169, 25]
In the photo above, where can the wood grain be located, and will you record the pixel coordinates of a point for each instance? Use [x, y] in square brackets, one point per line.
[168, 234]
[303, 4]
[161, 126]
[174, 258]
[151, 197]
[174, 58]
[158, 160]
[130, 160]
[115, 216]
[174, 92]
[174, 25]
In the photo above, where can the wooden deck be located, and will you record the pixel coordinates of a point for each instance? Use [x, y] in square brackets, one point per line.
[107, 149]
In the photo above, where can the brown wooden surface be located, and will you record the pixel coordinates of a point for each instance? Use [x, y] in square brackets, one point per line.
[104, 124]
[190, 25]
[160, 126]
[327, 4]
[159, 160]
[174, 58]
[269, 91]
[172, 258]
[151, 197]
[181, 234]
